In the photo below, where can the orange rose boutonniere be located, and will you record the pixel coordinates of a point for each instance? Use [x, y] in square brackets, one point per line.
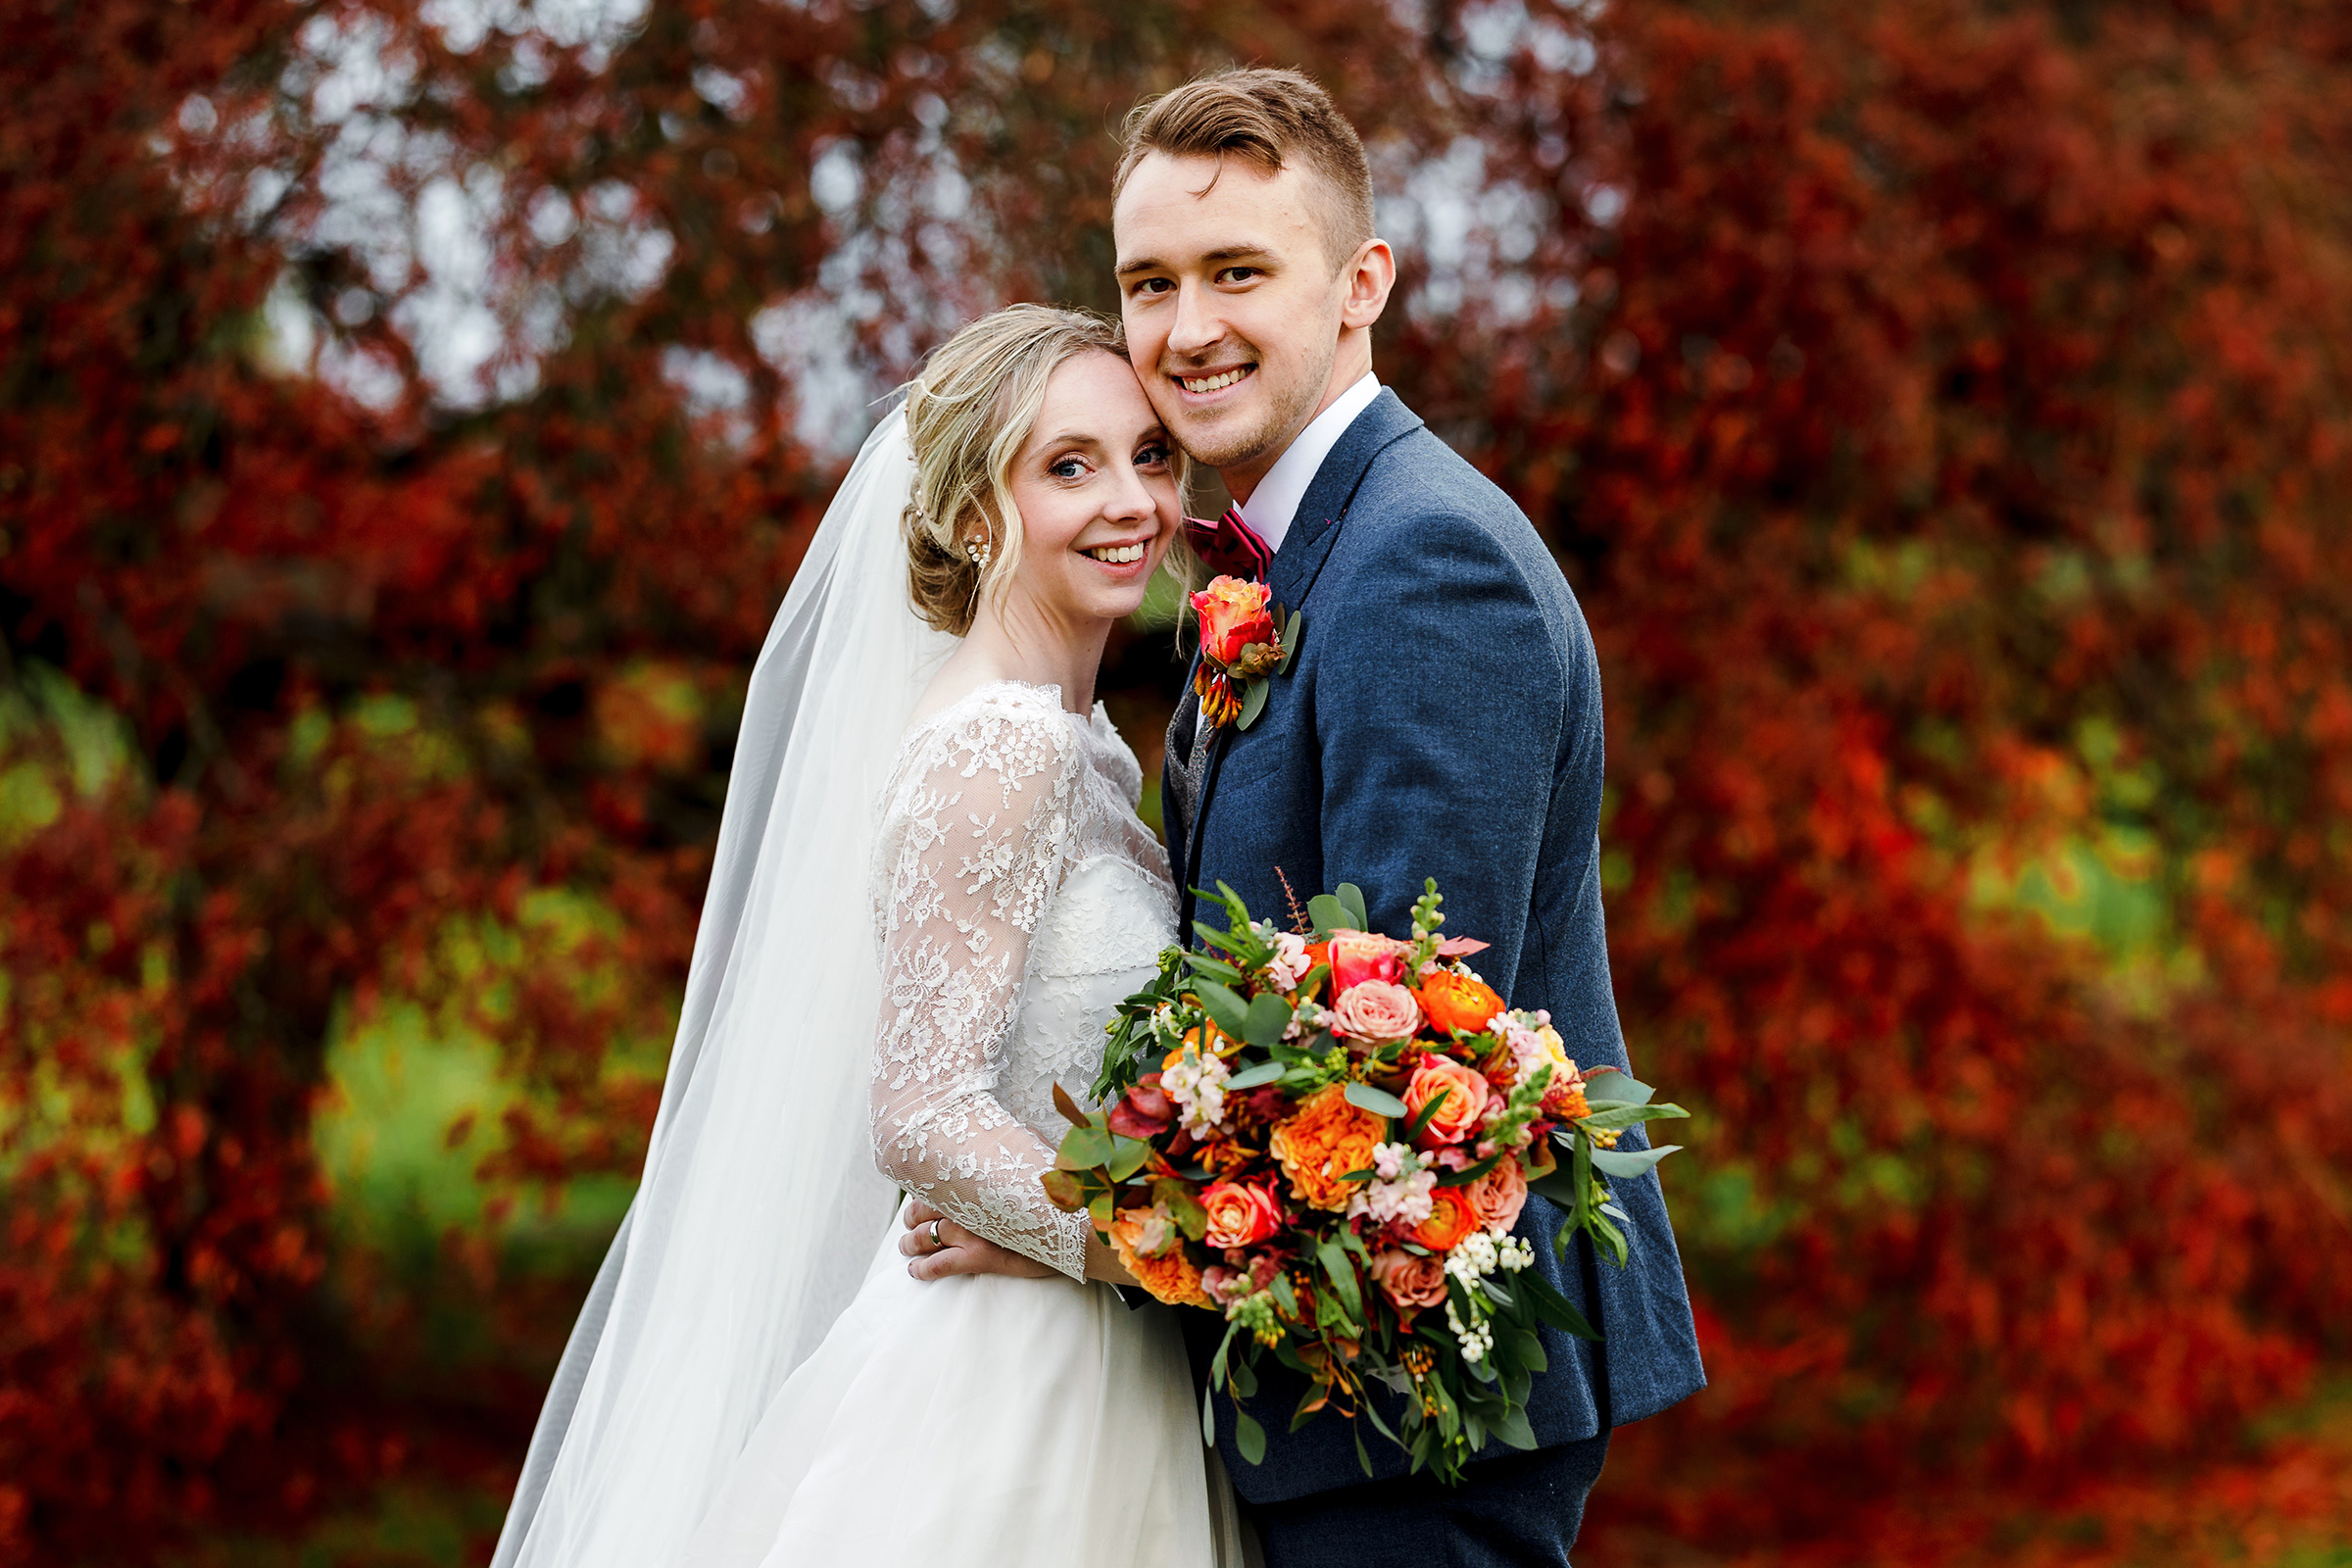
[1244, 640]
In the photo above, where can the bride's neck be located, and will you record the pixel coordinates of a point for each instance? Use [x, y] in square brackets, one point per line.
[1024, 641]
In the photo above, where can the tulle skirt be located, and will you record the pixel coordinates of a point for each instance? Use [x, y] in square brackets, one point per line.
[976, 1422]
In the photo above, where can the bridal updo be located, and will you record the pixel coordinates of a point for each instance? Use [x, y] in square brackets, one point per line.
[969, 415]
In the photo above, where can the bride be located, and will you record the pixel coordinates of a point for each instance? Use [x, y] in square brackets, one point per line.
[754, 1378]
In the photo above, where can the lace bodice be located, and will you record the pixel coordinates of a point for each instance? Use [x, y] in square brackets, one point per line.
[1017, 899]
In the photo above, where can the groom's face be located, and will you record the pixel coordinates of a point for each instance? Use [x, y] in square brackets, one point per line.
[1232, 307]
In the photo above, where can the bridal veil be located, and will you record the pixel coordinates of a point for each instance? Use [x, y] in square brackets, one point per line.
[760, 1203]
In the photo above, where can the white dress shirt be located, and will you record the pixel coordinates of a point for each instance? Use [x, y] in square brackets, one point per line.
[1274, 503]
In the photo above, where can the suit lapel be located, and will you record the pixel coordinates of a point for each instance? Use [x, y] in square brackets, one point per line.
[1297, 565]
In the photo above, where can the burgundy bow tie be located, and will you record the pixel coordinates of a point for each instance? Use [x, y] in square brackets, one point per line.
[1229, 546]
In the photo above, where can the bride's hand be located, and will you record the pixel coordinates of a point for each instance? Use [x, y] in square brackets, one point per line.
[950, 1249]
[960, 1252]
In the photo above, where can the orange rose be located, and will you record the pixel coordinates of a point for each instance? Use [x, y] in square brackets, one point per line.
[1465, 1092]
[1410, 1282]
[1457, 1002]
[1499, 1194]
[1239, 1214]
[1235, 616]
[1323, 1140]
[1170, 1278]
[1451, 1218]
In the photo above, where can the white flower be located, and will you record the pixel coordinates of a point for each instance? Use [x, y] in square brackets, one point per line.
[1289, 965]
[1197, 1084]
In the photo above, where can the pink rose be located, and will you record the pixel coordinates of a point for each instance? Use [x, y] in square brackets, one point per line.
[1409, 1281]
[1376, 1010]
[1499, 1194]
[1357, 956]
[1465, 1093]
[1239, 1214]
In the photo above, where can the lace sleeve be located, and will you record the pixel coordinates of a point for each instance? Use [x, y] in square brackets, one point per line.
[976, 844]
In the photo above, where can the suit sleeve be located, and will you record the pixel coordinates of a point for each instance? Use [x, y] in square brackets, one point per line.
[1441, 710]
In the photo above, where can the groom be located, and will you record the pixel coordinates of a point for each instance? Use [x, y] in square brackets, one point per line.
[1441, 717]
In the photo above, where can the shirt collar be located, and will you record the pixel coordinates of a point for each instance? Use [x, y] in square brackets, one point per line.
[1274, 503]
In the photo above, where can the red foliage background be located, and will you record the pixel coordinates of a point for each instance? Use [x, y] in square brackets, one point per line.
[1941, 408]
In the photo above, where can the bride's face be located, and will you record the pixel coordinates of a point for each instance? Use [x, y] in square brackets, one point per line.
[1096, 485]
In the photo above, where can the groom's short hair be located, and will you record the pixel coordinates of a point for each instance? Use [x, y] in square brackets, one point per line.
[1264, 117]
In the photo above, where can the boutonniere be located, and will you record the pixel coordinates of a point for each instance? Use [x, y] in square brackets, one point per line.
[1243, 641]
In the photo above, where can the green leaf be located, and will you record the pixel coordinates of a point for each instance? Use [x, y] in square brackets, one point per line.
[1610, 1237]
[1066, 1190]
[1208, 1415]
[1225, 1008]
[1269, 1015]
[1470, 1173]
[1559, 1186]
[1633, 1162]
[1177, 1195]
[1379, 1101]
[1244, 1378]
[1342, 1275]
[1127, 1157]
[1249, 1436]
[1617, 1089]
[1084, 1149]
[1512, 1428]
[1234, 906]
[1525, 1347]
[1554, 1307]
[1265, 1072]
[1328, 913]
[1254, 702]
[1352, 896]
[1099, 1209]
[1362, 1457]
[1212, 968]
[1291, 630]
[1421, 1119]
[1631, 1116]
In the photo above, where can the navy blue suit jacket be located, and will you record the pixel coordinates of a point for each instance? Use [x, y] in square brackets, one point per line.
[1441, 717]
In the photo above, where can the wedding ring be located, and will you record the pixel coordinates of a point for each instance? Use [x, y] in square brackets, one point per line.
[936, 1243]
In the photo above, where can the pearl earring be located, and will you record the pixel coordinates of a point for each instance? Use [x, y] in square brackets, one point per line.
[979, 553]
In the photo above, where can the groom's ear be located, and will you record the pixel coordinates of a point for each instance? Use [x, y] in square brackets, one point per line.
[1367, 277]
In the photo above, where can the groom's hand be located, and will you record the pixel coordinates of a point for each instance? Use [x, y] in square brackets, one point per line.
[958, 1251]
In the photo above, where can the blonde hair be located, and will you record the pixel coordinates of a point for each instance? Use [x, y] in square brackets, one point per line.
[1262, 117]
[969, 415]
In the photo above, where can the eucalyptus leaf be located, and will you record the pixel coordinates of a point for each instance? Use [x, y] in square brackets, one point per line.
[1290, 641]
[1328, 913]
[1379, 1101]
[1225, 1008]
[1630, 1163]
[1265, 1072]
[1127, 1157]
[1254, 702]
[1617, 1089]
[1084, 1147]
[1352, 896]
[1269, 1015]
[1631, 1116]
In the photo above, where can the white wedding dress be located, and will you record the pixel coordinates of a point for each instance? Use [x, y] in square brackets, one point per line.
[984, 1421]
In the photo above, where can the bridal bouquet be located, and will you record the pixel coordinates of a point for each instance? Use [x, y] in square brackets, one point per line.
[1325, 1136]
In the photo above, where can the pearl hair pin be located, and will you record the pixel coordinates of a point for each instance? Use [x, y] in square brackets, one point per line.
[979, 553]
